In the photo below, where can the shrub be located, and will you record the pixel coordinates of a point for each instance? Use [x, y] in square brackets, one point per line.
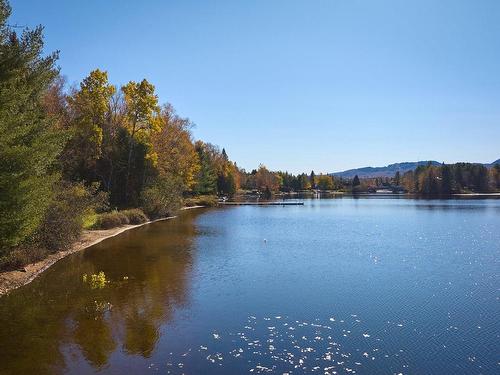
[21, 256]
[110, 220]
[202, 200]
[162, 197]
[115, 219]
[135, 216]
[123, 218]
[90, 220]
[64, 218]
[60, 226]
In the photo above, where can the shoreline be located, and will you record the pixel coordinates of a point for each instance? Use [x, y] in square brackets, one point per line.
[11, 280]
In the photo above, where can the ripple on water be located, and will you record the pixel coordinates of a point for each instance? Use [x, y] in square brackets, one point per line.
[282, 345]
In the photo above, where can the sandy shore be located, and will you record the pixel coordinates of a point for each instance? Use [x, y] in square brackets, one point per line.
[14, 279]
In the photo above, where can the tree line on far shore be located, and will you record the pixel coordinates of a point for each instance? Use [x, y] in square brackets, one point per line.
[452, 178]
[434, 180]
[426, 180]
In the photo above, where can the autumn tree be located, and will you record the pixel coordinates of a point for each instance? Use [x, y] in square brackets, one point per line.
[408, 181]
[325, 182]
[54, 103]
[89, 109]
[142, 119]
[227, 174]
[266, 179]
[175, 152]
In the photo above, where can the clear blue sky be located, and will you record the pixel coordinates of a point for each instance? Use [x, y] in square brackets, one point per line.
[300, 85]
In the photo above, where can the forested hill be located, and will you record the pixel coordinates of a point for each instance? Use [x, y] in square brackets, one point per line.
[494, 163]
[387, 171]
[390, 170]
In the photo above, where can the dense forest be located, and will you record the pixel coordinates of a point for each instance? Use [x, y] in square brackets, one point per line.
[97, 156]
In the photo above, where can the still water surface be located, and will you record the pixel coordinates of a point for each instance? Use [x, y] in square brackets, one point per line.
[340, 286]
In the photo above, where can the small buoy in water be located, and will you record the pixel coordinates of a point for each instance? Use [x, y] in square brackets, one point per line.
[265, 240]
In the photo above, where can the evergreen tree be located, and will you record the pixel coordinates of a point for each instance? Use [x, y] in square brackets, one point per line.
[207, 176]
[480, 176]
[446, 179]
[312, 178]
[397, 178]
[355, 181]
[29, 143]
[303, 181]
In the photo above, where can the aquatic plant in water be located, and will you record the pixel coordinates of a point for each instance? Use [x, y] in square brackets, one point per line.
[96, 281]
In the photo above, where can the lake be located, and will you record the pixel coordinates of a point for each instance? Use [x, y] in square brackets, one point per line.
[337, 286]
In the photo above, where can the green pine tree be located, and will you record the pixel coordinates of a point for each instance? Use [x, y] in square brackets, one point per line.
[446, 179]
[207, 175]
[29, 144]
[355, 181]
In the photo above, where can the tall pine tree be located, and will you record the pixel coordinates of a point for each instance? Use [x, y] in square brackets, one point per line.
[29, 144]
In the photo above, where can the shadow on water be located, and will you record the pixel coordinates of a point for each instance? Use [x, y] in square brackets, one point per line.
[59, 318]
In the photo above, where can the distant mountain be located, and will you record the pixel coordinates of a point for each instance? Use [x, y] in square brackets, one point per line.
[389, 170]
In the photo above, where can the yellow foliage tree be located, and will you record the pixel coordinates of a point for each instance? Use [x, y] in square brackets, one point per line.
[173, 145]
[142, 119]
[266, 179]
[89, 108]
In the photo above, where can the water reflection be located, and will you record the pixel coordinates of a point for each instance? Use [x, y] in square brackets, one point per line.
[58, 318]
